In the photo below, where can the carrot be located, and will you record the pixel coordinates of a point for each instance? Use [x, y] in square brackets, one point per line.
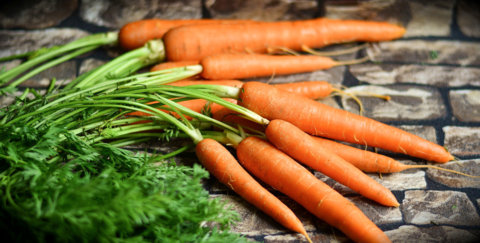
[135, 34]
[325, 121]
[221, 164]
[303, 148]
[368, 161]
[231, 83]
[281, 172]
[239, 65]
[194, 42]
[168, 65]
[226, 115]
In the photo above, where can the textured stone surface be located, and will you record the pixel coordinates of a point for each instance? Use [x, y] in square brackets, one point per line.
[438, 207]
[262, 9]
[426, 51]
[410, 233]
[377, 213]
[414, 179]
[468, 17]
[255, 222]
[89, 64]
[115, 14]
[63, 73]
[406, 103]
[462, 141]
[465, 104]
[420, 18]
[444, 76]
[35, 14]
[20, 41]
[471, 167]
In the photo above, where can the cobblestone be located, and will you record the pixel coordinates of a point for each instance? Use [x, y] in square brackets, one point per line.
[406, 103]
[410, 233]
[471, 167]
[438, 207]
[462, 141]
[468, 17]
[465, 104]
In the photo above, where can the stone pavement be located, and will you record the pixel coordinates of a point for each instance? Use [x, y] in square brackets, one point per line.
[432, 75]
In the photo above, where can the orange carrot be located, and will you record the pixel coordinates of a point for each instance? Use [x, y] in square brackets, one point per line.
[303, 148]
[281, 172]
[221, 164]
[226, 115]
[240, 66]
[231, 83]
[194, 42]
[135, 34]
[325, 121]
[168, 65]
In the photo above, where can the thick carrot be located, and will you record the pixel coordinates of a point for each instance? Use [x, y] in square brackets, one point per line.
[135, 34]
[322, 120]
[194, 42]
[240, 65]
[221, 164]
[281, 172]
[303, 148]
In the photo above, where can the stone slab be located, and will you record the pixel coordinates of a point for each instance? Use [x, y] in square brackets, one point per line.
[468, 17]
[465, 104]
[115, 14]
[407, 102]
[440, 76]
[267, 10]
[439, 207]
[470, 167]
[462, 141]
[411, 233]
[426, 52]
[379, 214]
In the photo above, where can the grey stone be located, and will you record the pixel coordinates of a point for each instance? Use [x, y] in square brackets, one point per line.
[407, 180]
[425, 132]
[34, 14]
[465, 105]
[426, 51]
[63, 73]
[406, 103]
[471, 167]
[333, 76]
[420, 18]
[462, 141]
[324, 236]
[254, 222]
[4, 66]
[18, 41]
[268, 10]
[115, 14]
[377, 213]
[439, 207]
[445, 76]
[410, 233]
[468, 17]
[89, 64]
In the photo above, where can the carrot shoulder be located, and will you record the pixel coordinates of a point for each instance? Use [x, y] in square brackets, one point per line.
[303, 148]
[221, 164]
[284, 174]
[322, 120]
[194, 42]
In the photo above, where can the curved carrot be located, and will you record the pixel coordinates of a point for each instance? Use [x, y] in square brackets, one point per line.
[194, 42]
[281, 172]
[135, 34]
[303, 148]
[221, 164]
[239, 66]
[322, 120]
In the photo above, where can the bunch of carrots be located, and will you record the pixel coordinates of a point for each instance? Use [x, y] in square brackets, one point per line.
[282, 129]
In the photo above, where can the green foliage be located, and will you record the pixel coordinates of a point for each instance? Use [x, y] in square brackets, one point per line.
[56, 187]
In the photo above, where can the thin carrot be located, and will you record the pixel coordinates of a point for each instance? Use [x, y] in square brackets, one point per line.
[281, 172]
[368, 161]
[135, 34]
[325, 121]
[240, 65]
[231, 83]
[221, 164]
[226, 115]
[303, 148]
[168, 65]
[194, 42]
